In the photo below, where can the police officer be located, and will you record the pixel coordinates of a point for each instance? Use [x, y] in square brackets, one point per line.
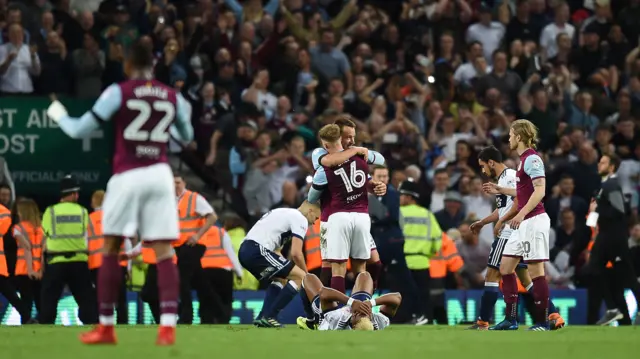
[422, 239]
[66, 254]
[611, 242]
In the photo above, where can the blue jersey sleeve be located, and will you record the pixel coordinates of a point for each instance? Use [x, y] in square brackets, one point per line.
[320, 178]
[375, 158]
[316, 156]
[318, 185]
[182, 128]
[107, 104]
[534, 167]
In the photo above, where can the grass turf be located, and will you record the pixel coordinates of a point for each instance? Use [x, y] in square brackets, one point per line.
[405, 342]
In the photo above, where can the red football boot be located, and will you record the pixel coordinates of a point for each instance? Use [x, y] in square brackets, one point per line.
[166, 336]
[101, 334]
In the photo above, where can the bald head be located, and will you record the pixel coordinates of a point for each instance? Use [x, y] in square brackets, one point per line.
[414, 172]
[86, 20]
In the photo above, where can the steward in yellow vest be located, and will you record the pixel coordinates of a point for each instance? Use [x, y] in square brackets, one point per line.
[66, 254]
[422, 240]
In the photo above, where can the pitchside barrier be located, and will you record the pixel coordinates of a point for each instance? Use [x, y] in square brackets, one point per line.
[462, 306]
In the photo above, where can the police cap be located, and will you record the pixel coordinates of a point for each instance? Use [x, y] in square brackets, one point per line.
[69, 184]
[410, 188]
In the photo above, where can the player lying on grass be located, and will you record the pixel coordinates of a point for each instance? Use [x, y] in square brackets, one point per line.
[328, 309]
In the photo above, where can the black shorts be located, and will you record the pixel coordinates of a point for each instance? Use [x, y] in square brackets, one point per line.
[263, 263]
[495, 256]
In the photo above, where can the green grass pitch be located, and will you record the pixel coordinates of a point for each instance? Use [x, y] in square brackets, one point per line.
[403, 342]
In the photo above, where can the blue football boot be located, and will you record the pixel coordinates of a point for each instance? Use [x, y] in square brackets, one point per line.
[539, 328]
[505, 325]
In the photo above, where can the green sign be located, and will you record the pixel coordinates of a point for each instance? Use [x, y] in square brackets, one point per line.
[39, 154]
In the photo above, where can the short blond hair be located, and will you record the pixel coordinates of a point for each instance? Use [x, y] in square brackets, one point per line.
[363, 323]
[330, 133]
[527, 131]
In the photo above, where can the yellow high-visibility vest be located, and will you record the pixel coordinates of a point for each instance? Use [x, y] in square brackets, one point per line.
[422, 236]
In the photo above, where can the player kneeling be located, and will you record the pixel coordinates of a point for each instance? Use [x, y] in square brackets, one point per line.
[329, 309]
[258, 255]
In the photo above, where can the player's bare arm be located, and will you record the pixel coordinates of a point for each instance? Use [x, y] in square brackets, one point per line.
[506, 218]
[493, 188]
[389, 303]
[297, 255]
[477, 225]
[539, 188]
[337, 158]
[329, 295]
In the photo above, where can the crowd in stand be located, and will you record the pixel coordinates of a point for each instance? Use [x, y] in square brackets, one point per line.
[428, 83]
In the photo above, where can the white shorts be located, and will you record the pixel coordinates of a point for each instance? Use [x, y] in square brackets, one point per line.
[531, 240]
[143, 201]
[348, 235]
[323, 241]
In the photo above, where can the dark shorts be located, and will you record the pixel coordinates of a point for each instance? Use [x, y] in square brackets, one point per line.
[497, 247]
[263, 263]
[317, 308]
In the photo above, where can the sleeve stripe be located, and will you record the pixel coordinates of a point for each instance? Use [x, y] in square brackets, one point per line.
[320, 160]
[536, 177]
[95, 115]
[297, 236]
[319, 187]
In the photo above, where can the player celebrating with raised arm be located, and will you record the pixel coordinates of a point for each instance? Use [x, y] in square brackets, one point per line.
[333, 310]
[257, 255]
[529, 240]
[348, 227]
[490, 160]
[320, 157]
[140, 195]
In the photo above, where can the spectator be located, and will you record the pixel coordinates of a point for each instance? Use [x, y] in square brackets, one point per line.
[47, 23]
[453, 213]
[441, 184]
[541, 110]
[330, 62]
[258, 95]
[507, 82]
[480, 205]
[169, 68]
[472, 68]
[584, 172]
[289, 196]
[569, 234]
[88, 65]
[579, 113]
[56, 67]
[600, 22]
[489, 33]
[521, 27]
[474, 253]
[562, 198]
[14, 17]
[548, 44]
[18, 62]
